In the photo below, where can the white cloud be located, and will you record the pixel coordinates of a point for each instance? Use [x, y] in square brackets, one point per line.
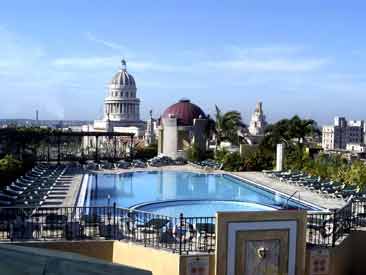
[287, 65]
[109, 44]
[269, 50]
[86, 62]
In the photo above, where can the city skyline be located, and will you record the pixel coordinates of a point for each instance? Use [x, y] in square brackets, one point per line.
[297, 58]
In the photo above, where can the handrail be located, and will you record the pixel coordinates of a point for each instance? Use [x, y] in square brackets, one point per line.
[289, 198]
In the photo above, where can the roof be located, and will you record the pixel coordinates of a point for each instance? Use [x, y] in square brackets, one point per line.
[122, 77]
[184, 111]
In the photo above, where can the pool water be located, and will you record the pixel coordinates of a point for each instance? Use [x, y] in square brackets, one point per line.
[201, 208]
[208, 192]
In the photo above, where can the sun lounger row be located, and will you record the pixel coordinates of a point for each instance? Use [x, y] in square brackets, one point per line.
[317, 184]
[35, 187]
[159, 161]
[207, 164]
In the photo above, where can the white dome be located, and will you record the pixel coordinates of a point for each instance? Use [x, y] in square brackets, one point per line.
[123, 78]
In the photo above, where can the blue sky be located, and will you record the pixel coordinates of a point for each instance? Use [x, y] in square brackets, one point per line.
[303, 57]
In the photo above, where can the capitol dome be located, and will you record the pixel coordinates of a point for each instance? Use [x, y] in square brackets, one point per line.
[121, 103]
[184, 111]
[122, 77]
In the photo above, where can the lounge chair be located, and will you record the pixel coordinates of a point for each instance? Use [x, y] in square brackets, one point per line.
[21, 230]
[73, 231]
[55, 222]
[111, 231]
[153, 225]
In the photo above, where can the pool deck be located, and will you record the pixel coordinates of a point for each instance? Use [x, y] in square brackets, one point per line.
[289, 189]
[256, 177]
[69, 199]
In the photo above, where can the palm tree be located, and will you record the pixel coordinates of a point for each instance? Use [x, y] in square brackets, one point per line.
[302, 128]
[290, 130]
[227, 126]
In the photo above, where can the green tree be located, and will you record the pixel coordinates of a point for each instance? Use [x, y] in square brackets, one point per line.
[146, 152]
[10, 169]
[294, 130]
[232, 162]
[194, 153]
[227, 126]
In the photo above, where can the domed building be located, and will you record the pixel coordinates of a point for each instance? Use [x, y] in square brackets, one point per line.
[121, 104]
[182, 125]
[121, 112]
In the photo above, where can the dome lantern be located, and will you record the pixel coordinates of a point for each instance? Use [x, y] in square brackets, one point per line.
[122, 77]
[123, 65]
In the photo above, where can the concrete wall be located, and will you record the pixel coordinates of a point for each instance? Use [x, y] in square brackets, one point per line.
[356, 253]
[21, 260]
[96, 249]
[170, 139]
[184, 262]
[159, 262]
[347, 258]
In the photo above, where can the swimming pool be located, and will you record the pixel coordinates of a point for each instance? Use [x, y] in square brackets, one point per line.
[194, 194]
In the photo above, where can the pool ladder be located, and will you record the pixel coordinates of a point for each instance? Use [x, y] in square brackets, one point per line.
[289, 198]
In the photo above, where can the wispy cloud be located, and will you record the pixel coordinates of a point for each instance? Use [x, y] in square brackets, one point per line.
[85, 62]
[249, 64]
[269, 65]
[98, 62]
[109, 44]
[267, 50]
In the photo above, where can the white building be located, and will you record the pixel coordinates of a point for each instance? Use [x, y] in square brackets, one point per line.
[151, 129]
[356, 147]
[258, 121]
[342, 133]
[121, 108]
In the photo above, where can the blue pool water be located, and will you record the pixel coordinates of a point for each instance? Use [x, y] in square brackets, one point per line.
[175, 192]
[201, 208]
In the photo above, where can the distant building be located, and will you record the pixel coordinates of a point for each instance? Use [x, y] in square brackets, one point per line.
[182, 125]
[121, 108]
[258, 121]
[254, 134]
[151, 128]
[356, 148]
[342, 133]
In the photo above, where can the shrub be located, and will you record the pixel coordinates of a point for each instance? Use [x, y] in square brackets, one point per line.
[194, 153]
[10, 169]
[146, 152]
[232, 162]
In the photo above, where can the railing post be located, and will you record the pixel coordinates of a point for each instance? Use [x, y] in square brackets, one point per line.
[334, 239]
[181, 224]
[114, 216]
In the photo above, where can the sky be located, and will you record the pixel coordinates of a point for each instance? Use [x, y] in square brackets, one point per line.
[305, 57]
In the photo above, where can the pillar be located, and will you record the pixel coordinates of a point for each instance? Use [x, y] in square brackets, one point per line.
[280, 152]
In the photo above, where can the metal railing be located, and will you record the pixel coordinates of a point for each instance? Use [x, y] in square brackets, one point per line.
[329, 228]
[181, 234]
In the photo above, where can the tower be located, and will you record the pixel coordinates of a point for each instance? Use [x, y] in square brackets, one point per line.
[150, 131]
[258, 121]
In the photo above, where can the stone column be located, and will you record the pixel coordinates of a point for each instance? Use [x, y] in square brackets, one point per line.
[280, 152]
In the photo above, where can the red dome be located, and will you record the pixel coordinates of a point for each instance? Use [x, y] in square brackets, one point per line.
[184, 111]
